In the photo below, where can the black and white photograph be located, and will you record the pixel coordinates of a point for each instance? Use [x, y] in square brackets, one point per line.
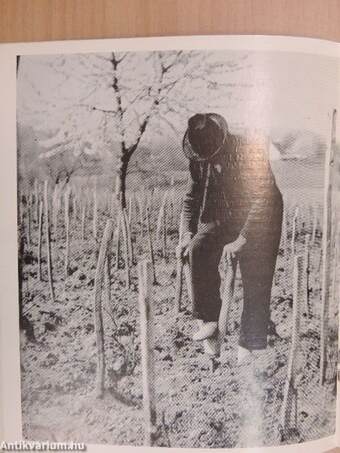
[178, 237]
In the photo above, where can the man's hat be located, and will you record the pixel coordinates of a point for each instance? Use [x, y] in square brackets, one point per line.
[205, 136]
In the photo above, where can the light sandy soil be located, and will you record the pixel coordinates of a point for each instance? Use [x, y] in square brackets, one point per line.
[198, 405]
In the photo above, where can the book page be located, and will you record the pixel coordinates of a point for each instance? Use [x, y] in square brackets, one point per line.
[170, 226]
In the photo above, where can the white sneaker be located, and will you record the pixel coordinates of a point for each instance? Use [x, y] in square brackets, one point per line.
[207, 330]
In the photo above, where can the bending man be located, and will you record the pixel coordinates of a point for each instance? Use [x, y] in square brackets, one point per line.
[232, 205]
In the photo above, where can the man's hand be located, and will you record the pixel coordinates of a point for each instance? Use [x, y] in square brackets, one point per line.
[182, 249]
[234, 247]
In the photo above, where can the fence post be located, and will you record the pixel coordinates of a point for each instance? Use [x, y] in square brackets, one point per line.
[290, 390]
[326, 248]
[48, 242]
[147, 346]
[98, 312]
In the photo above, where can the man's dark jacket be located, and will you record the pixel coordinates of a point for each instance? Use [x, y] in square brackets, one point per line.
[237, 189]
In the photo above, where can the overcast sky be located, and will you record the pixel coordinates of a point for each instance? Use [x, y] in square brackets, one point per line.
[288, 91]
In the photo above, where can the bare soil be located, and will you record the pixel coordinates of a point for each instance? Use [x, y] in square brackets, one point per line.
[199, 402]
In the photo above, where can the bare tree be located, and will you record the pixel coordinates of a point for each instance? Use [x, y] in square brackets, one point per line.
[119, 97]
[155, 91]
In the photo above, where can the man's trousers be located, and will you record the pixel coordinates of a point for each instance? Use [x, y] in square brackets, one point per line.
[257, 262]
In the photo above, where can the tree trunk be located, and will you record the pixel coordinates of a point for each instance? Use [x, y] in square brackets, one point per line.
[122, 173]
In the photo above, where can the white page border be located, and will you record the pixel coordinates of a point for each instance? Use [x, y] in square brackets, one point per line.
[10, 417]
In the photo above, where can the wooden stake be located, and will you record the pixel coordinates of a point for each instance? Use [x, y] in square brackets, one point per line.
[75, 206]
[164, 248]
[130, 210]
[290, 389]
[314, 227]
[118, 238]
[48, 243]
[108, 278]
[94, 220]
[83, 218]
[36, 199]
[126, 247]
[29, 203]
[230, 266]
[40, 219]
[67, 229]
[55, 207]
[146, 308]
[307, 273]
[179, 269]
[141, 217]
[326, 248]
[112, 200]
[98, 312]
[179, 281]
[284, 233]
[293, 247]
[161, 215]
[129, 238]
[152, 256]
[335, 271]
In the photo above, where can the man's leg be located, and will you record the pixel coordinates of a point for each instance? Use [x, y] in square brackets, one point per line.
[204, 257]
[257, 265]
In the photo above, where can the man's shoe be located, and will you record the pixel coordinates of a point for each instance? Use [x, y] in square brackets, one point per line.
[243, 355]
[207, 330]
